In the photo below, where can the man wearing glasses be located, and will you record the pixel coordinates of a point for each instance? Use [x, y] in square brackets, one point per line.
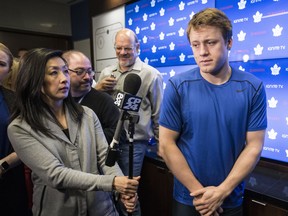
[111, 80]
[81, 78]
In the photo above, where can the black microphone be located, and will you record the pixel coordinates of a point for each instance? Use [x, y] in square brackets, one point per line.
[126, 101]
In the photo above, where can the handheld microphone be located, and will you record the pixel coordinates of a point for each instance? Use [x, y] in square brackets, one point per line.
[126, 101]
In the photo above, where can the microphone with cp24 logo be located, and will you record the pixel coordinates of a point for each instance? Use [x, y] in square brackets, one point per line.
[127, 101]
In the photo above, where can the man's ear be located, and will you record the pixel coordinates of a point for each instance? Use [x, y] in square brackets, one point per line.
[229, 44]
[137, 47]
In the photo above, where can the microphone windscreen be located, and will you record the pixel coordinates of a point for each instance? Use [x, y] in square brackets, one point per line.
[132, 83]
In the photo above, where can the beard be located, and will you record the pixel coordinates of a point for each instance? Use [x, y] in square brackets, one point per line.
[126, 60]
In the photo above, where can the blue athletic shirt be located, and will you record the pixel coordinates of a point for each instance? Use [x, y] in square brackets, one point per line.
[212, 121]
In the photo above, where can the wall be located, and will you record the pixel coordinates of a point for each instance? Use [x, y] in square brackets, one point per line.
[104, 30]
[80, 22]
[35, 23]
[101, 6]
[36, 15]
[29, 40]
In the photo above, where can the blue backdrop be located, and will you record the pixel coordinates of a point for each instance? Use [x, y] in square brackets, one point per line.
[260, 39]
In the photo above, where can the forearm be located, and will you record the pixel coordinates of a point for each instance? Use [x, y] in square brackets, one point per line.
[178, 165]
[214, 196]
[99, 87]
[243, 166]
[12, 159]
[246, 161]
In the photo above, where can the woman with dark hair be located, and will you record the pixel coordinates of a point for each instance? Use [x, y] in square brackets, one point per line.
[13, 195]
[62, 143]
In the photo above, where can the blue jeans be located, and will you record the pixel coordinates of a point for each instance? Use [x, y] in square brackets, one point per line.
[139, 150]
[180, 209]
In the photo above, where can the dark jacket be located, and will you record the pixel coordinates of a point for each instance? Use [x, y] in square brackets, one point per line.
[13, 194]
[9, 97]
[108, 113]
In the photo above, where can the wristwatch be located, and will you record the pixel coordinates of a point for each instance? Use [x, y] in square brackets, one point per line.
[4, 166]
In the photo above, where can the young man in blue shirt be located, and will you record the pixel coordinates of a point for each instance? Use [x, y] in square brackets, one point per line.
[212, 123]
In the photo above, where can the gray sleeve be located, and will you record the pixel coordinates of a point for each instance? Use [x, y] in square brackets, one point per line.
[102, 146]
[156, 96]
[42, 156]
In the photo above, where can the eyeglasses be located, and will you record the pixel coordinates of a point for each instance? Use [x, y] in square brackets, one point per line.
[82, 71]
[126, 49]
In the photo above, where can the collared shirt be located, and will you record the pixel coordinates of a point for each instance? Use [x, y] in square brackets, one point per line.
[151, 92]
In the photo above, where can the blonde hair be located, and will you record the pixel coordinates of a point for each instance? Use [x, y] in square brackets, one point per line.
[6, 50]
[9, 81]
[211, 17]
[6, 80]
